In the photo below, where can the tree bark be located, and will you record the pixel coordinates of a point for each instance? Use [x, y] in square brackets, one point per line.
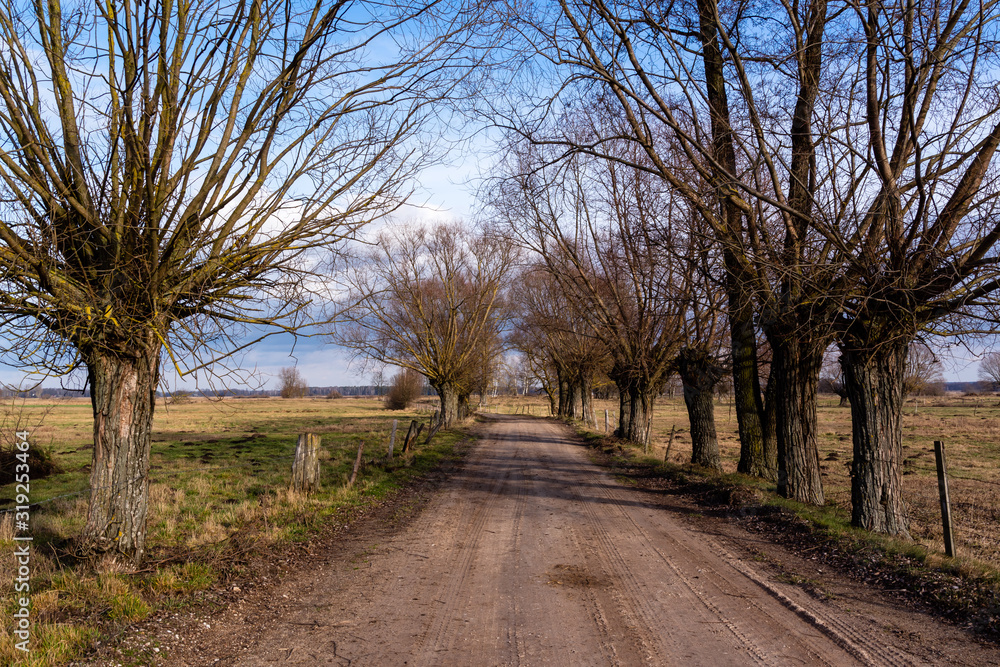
[574, 407]
[873, 377]
[640, 412]
[699, 375]
[123, 394]
[747, 396]
[587, 399]
[449, 403]
[770, 428]
[795, 381]
[624, 409]
[564, 393]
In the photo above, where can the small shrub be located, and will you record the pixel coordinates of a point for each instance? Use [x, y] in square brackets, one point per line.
[334, 394]
[179, 398]
[293, 385]
[405, 389]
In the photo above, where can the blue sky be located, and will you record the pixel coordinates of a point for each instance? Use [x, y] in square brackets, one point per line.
[446, 192]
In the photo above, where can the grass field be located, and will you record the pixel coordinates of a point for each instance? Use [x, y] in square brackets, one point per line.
[219, 469]
[968, 425]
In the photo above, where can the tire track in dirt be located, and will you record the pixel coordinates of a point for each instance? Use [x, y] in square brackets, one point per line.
[713, 594]
[638, 616]
[447, 627]
[531, 555]
[847, 635]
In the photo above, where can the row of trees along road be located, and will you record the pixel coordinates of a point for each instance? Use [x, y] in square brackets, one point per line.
[174, 177]
[431, 300]
[840, 155]
[180, 177]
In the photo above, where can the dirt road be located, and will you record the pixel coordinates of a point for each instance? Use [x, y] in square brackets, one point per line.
[531, 555]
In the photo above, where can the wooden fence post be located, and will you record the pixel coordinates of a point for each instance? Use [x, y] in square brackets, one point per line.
[412, 434]
[605, 422]
[409, 434]
[942, 472]
[357, 464]
[392, 438]
[305, 467]
[670, 443]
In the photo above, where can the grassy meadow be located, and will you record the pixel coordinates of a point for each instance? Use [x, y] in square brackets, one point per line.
[219, 484]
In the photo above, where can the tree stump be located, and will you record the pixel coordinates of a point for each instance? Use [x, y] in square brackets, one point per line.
[409, 435]
[305, 468]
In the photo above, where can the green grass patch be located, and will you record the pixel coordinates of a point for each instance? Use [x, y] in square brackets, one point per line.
[219, 481]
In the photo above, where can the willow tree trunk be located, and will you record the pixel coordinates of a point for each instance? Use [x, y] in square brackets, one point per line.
[564, 395]
[795, 381]
[747, 397]
[873, 378]
[640, 412]
[624, 409]
[574, 408]
[587, 399]
[699, 375]
[769, 424]
[449, 403]
[123, 394]
[553, 401]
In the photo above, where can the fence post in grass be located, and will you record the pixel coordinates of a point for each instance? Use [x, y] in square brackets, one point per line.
[409, 436]
[670, 443]
[942, 472]
[605, 422]
[392, 438]
[357, 464]
[435, 427]
[305, 467]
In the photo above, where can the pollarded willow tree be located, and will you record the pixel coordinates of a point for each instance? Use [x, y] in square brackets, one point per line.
[171, 174]
[917, 176]
[434, 300]
[674, 77]
[852, 148]
[553, 335]
[591, 223]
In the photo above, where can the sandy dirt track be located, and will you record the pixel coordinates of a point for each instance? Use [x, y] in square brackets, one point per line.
[532, 555]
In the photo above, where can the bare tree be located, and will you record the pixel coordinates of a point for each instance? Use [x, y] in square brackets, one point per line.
[617, 61]
[548, 324]
[920, 213]
[404, 389]
[431, 300]
[170, 177]
[291, 384]
[588, 222]
[699, 361]
[989, 370]
[922, 374]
